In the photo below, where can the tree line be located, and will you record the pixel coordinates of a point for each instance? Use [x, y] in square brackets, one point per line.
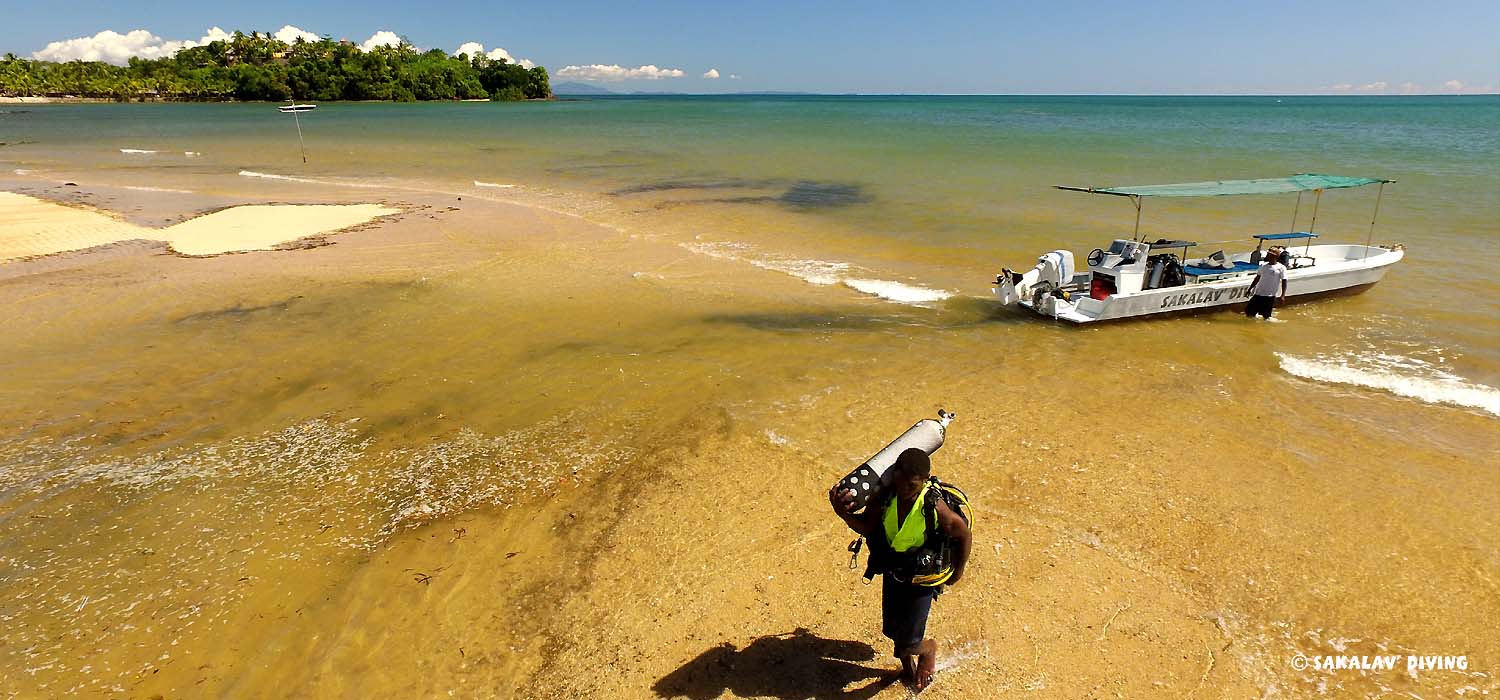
[260, 67]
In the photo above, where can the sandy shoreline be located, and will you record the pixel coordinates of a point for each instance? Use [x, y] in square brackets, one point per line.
[31, 227]
[494, 451]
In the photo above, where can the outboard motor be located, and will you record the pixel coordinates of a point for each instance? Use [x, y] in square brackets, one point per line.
[1054, 268]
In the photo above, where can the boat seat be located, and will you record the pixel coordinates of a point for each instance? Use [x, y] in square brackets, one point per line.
[1196, 271]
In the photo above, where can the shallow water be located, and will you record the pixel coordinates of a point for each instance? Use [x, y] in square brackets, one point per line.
[487, 428]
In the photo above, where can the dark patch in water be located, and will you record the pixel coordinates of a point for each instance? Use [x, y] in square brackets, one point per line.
[809, 194]
[238, 311]
[811, 321]
[672, 185]
[802, 194]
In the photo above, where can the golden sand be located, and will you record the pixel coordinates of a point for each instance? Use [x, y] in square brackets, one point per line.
[31, 227]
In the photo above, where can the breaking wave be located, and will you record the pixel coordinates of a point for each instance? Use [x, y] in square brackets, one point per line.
[820, 272]
[135, 151]
[897, 291]
[1402, 376]
[480, 183]
[273, 176]
[142, 188]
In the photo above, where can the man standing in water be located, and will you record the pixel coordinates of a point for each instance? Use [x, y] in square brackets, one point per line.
[1270, 278]
[898, 528]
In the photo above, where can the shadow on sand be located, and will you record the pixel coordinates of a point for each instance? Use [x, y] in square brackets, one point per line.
[789, 666]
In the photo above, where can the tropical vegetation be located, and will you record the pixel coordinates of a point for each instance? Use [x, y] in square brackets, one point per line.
[260, 67]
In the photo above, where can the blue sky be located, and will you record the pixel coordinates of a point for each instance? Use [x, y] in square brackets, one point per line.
[1144, 47]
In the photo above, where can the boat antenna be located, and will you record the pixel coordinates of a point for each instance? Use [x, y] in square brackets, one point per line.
[1371, 236]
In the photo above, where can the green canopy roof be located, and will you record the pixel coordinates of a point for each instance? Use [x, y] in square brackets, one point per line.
[1304, 182]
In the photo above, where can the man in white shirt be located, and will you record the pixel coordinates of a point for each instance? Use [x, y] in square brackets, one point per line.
[1270, 278]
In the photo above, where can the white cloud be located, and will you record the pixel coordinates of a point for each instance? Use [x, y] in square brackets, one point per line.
[712, 74]
[474, 48]
[380, 38]
[290, 34]
[1454, 86]
[113, 47]
[1342, 87]
[1410, 88]
[1377, 86]
[615, 72]
[732, 76]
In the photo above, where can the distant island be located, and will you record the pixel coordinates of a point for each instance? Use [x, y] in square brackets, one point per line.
[260, 67]
[580, 89]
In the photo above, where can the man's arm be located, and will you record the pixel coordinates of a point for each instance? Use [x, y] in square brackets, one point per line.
[958, 531]
[842, 500]
[1283, 286]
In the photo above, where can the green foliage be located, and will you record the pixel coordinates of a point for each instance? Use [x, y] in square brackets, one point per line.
[260, 67]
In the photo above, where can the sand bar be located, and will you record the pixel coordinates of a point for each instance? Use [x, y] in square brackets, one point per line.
[30, 227]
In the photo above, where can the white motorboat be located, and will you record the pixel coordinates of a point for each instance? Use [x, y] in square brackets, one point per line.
[296, 108]
[1134, 277]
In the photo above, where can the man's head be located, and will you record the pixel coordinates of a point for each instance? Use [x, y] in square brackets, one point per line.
[910, 472]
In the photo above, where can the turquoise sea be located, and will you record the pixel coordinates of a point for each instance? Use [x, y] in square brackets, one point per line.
[935, 191]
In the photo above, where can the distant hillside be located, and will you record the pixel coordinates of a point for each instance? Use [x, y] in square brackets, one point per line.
[579, 89]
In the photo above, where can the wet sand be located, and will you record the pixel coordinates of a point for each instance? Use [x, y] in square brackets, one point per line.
[482, 449]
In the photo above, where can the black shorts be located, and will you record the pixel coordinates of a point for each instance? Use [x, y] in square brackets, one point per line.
[1260, 305]
[903, 612]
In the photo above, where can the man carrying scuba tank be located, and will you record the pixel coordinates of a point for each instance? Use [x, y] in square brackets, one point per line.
[920, 542]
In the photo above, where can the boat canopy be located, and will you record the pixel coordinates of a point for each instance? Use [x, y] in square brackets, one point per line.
[1284, 236]
[1305, 182]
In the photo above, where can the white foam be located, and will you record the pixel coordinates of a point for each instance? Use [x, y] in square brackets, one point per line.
[191, 154]
[479, 183]
[272, 176]
[311, 181]
[21, 171]
[141, 188]
[1402, 376]
[897, 291]
[135, 151]
[821, 272]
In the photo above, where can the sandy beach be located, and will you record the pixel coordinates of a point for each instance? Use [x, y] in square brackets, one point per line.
[483, 449]
[35, 227]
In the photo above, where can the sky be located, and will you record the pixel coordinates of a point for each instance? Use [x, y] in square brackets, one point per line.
[1057, 47]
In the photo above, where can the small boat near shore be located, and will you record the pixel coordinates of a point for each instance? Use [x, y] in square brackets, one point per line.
[1134, 277]
[285, 109]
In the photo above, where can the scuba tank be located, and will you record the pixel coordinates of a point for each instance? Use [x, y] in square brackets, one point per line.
[869, 478]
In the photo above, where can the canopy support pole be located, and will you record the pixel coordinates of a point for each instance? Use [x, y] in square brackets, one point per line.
[1317, 198]
[1371, 236]
[1136, 200]
[1296, 208]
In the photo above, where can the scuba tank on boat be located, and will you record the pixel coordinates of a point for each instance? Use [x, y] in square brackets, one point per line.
[868, 479]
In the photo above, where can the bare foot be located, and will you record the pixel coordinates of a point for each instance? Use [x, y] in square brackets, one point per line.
[908, 671]
[926, 664]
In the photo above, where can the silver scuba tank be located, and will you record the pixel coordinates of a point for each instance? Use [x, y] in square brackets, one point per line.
[869, 478]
